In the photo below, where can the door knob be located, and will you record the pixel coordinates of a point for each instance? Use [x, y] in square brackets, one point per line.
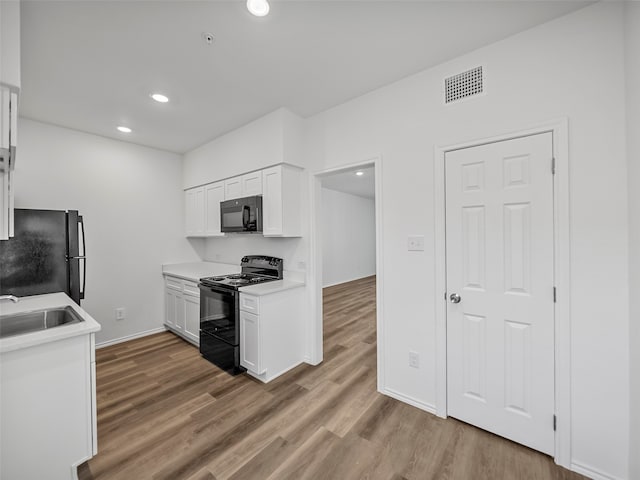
[455, 298]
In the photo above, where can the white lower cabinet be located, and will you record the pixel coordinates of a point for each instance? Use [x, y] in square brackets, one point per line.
[182, 308]
[48, 414]
[250, 343]
[271, 341]
[192, 317]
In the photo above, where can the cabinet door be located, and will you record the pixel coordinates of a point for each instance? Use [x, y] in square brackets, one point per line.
[272, 201]
[194, 212]
[170, 306]
[233, 188]
[192, 317]
[214, 194]
[180, 313]
[5, 123]
[250, 342]
[252, 184]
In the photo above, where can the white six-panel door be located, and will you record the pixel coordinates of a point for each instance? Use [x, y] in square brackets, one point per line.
[499, 244]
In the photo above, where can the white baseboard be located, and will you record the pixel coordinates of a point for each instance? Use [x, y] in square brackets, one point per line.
[130, 337]
[427, 407]
[591, 472]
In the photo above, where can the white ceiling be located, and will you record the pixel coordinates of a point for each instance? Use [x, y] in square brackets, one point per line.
[91, 65]
[348, 182]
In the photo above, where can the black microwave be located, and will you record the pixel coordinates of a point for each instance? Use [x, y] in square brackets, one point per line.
[241, 215]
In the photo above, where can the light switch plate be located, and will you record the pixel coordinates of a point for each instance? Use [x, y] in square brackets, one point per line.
[415, 243]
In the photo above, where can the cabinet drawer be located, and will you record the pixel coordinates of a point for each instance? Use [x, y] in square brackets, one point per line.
[191, 288]
[174, 283]
[249, 303]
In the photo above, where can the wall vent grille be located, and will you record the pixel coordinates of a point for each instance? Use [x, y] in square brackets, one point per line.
[464, 85]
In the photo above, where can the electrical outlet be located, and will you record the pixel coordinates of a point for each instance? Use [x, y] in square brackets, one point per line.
[302, 266]
[120, 313]
[415, 243]
[414, 359]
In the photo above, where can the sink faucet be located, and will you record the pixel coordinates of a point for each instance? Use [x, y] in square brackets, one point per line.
[13, 298]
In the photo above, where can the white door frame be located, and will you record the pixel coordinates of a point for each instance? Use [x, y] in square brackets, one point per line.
[314, 333]
[562, 265]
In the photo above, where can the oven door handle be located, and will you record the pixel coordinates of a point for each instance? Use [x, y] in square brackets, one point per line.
[222, 290]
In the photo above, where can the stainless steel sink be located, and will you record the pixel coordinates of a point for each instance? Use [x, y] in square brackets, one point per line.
[37, 320]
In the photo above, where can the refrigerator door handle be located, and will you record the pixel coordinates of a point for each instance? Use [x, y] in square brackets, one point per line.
[83, 257]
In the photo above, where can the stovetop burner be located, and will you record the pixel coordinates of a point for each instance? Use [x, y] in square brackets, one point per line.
[237, 276]
[255, 269]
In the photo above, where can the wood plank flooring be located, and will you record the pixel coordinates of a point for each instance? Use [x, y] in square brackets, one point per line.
[165, 413]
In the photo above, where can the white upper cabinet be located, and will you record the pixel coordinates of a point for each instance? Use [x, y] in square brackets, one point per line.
[214, 194]
[281, 201]
[194, 204]
[8, 141]
[6, 204]
[280, 189]
[243, 186]
[9, 88]
[202, 210]
[252, 184]
[233, 188]
[10, 44]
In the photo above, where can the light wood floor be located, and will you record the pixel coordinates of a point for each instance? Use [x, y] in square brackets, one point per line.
[165, 413]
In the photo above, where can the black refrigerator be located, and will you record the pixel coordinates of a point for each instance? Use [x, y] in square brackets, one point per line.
[45, 255]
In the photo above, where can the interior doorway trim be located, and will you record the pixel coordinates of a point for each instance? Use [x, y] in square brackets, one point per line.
[562, 266]
[314, 333]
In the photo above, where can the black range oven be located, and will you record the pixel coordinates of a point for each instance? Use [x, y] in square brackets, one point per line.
[220, 309]
[219, 326]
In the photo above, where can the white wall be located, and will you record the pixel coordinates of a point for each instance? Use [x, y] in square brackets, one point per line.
[233, 247]
[572, 67]
[131, 199]
[266, 141]
[348, 237]
[632, 43]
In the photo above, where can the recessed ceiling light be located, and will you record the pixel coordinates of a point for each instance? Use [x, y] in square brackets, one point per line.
[158, 97]
[259, 8]
[124, 129]
[359, 173]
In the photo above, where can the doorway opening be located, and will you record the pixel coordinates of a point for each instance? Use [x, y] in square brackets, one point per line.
[347, 276]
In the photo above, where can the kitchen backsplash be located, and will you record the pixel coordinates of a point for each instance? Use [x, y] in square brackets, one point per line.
[233, 247]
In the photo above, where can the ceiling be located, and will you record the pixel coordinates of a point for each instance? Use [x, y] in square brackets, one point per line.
[348, 182]
[91, 65]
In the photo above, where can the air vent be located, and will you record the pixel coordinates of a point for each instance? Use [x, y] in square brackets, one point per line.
[463, 85]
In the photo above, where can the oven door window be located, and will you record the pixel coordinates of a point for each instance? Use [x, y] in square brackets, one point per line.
[218, 314]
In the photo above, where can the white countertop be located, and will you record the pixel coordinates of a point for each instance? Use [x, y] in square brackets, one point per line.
[41, 302]
[196, 270]
[270, 287]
